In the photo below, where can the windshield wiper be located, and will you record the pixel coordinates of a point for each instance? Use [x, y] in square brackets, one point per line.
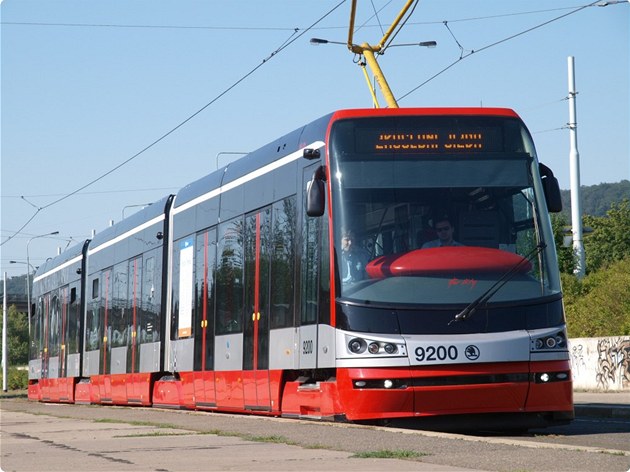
[488, 294]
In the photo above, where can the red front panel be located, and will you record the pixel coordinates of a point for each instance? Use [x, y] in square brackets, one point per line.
[553, 396]
[454, 389]
[490, 397]
[360, 404]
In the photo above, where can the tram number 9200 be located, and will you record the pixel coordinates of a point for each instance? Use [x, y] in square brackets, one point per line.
[436, 353]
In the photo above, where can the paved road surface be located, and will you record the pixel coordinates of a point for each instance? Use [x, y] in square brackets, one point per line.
[75, 437]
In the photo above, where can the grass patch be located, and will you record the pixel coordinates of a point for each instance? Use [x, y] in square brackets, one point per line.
[388, 454]
[155, 434]
[275, 439]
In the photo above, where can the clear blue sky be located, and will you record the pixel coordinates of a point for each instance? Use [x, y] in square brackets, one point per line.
[88, 84]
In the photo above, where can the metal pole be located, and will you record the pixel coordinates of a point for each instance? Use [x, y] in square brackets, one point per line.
[574, 161]
[5, 347]
[378, 75]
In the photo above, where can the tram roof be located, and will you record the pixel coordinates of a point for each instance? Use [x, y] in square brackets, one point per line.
[148, 213]
[67, 255]
[267, 154]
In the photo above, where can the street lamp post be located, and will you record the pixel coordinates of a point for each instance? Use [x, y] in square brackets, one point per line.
[28, 278]
[28, 267]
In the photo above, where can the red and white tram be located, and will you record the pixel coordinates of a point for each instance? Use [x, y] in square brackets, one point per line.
[238, 294]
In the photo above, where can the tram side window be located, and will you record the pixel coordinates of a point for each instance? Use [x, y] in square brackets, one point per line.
[283, 254]
[118, 322]
[92, 325]
[134, 299]
[74, 304]
[54, 326]
[36, 340]
[149, 330]
[315, 271]
[229, 280]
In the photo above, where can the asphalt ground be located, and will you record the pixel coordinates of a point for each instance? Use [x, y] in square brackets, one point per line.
[37, 436]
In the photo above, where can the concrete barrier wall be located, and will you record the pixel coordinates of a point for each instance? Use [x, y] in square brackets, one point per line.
[601, 364]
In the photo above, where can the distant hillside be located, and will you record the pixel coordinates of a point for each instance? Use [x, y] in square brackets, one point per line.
[596, 199]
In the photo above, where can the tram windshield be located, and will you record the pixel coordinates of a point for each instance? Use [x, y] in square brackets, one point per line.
[436, 210]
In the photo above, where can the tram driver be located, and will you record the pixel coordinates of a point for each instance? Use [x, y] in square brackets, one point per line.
[354, 258]
[444, 230]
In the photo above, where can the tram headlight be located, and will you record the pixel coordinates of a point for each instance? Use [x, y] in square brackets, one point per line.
[390, 348]
[357, 345]
[388, 383]
[552, 341]
[368, 347]
[561, 340]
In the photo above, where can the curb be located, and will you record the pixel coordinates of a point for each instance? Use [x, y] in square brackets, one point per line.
[602, 411]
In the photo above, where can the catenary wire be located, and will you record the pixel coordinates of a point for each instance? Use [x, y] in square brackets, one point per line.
[263, 28]
[496, 43]
[294, 37]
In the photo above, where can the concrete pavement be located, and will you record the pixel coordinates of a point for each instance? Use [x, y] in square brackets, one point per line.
[95, 438]
[38, 436]
[602, 404]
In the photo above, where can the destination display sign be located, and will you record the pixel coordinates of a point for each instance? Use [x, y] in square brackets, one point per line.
[433, 141]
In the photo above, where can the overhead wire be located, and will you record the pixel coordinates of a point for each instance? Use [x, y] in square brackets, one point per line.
[294, 37]
[496, 43]
[267, 28]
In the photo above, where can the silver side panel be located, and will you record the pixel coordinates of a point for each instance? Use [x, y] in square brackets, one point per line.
[150, 357]
[182, 352]
[326, 346]
[72, 368]
[91, 363]
[283, 353]
[119, 360]
[228, 352]
[35, 369]
[53, 368]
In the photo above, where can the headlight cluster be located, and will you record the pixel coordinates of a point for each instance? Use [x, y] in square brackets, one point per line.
[553, 341]
[360, 345]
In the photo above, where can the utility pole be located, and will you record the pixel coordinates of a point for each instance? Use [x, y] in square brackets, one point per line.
[5, 347]
[574, 162]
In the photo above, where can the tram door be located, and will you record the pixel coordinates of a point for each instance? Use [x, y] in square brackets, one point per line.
[257, 234]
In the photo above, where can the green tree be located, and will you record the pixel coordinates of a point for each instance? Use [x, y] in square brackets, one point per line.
[599, 304]
[609, 240]
[17, 337]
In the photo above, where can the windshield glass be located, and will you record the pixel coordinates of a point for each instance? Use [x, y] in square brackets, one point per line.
[435, 210]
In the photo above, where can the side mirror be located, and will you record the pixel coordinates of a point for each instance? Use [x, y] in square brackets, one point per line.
[316, 193]
[311, 154]
[551, 189]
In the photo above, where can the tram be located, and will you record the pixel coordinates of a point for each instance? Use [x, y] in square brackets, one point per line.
[239, 293]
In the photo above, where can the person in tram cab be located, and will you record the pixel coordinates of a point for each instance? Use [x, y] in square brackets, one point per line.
[354, 258]
[444, 230]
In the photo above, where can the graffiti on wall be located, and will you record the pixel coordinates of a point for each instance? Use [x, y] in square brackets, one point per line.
[613, 363]
[600, 363]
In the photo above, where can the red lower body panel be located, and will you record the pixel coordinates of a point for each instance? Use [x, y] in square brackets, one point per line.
[452, 390]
